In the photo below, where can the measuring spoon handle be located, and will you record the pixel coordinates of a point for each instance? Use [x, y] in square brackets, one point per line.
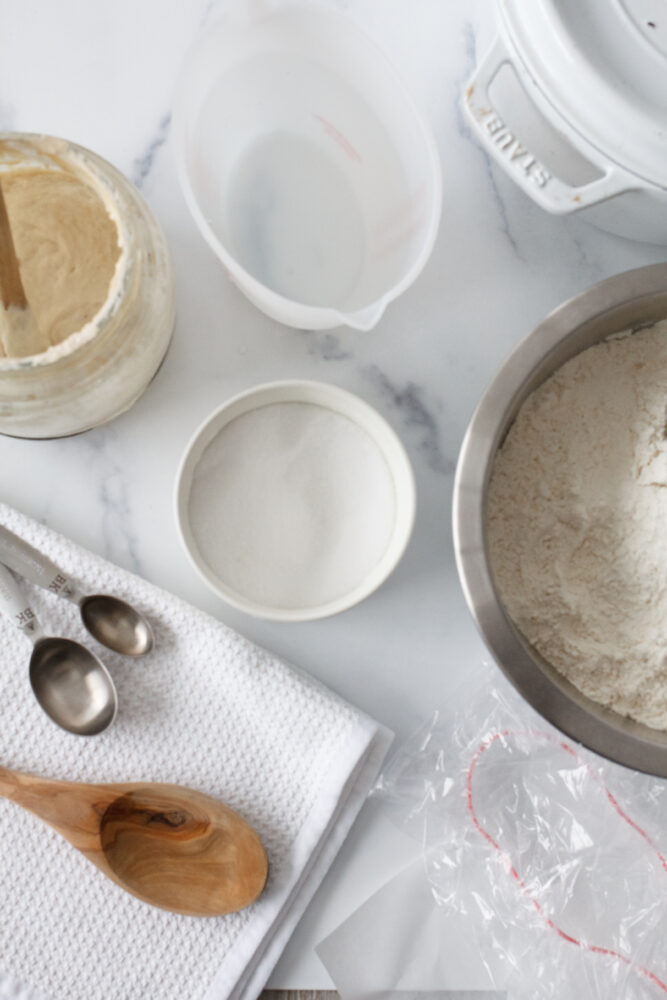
[33, 565]
[16, 607]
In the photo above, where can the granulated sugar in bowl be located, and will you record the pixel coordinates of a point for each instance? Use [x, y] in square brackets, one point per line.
[295, 500]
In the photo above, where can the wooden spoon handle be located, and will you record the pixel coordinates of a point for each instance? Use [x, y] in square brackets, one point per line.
[11, 286]
[71, 808]
[8, 783]
[20, 335]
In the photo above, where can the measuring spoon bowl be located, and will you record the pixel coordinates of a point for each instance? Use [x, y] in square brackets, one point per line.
[70, 683]
[116, 624]
[72, 686]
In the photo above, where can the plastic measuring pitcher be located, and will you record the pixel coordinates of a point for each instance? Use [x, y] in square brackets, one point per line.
[306, 165]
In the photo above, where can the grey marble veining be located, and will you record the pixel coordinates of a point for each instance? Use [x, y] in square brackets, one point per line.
[143, 164]
[325, 345]
[416, 416]
[116, 540]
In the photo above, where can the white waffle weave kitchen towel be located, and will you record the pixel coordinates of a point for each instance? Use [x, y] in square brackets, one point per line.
[206, 709]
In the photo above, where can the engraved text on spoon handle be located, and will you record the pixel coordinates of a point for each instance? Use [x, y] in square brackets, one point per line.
[32, 564]
[16, 607]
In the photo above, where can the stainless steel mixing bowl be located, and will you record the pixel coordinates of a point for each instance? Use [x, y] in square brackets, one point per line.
[632, 299]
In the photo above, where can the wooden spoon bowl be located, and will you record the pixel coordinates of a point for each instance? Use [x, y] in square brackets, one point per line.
[191, 855]
[170, 846]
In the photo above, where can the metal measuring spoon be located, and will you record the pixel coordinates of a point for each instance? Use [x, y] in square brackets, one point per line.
[72, 686]
[113, 622]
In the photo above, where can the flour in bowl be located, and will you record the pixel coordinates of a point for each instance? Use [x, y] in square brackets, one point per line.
[577, 522]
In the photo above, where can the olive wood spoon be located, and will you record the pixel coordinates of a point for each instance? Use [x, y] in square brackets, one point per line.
[19, 333]
[170, 846]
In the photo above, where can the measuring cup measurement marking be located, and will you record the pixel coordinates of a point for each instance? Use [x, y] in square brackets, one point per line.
[338, 137]
[595, 949]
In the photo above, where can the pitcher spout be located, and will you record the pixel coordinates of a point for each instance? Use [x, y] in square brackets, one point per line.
[366, 318]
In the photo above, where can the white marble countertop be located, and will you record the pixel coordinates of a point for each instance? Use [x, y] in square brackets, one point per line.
[103, 74]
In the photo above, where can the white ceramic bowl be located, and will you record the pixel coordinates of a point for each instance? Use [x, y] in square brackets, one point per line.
[339, 401]
[306, 165]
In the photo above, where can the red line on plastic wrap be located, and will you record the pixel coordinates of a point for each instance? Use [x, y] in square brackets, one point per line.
[595, 949]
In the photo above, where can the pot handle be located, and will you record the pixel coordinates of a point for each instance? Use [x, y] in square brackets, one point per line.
[514, 155]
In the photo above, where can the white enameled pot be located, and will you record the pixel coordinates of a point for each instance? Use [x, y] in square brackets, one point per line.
[571, 101]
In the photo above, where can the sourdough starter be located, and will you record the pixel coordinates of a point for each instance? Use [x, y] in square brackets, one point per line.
[66, 242]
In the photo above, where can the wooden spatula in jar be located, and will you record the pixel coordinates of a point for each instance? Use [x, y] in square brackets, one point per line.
[171, 846]
[19, 334]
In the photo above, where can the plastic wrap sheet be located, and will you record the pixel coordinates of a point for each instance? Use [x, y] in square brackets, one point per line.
[547, 864]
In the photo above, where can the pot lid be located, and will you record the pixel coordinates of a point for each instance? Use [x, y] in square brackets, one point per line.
[603, 65]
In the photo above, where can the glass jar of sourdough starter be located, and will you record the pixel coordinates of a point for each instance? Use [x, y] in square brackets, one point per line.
[98, 369]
